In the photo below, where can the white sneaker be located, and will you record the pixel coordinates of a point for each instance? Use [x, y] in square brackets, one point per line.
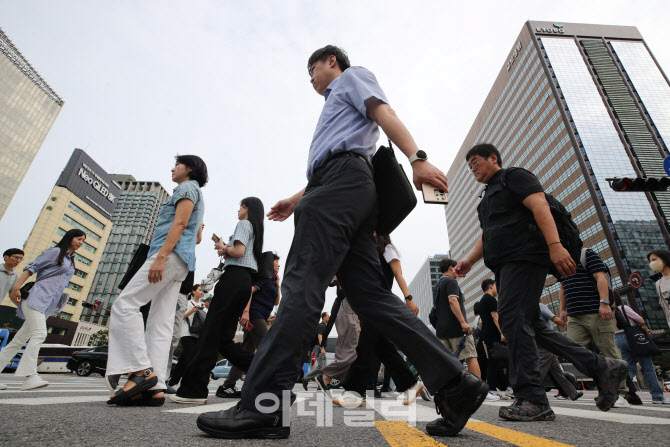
[509, 392]
[33, 382]
[349, 399]
[186, 400]
[409, 396]
[621, 402]
[3, 386]
[492, 396]
[665, 401]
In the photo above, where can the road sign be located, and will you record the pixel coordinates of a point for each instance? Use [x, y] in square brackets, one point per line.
[666, 165]
[96, 305]
[636, 280]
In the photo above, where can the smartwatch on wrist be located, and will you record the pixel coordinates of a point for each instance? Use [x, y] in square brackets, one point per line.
[409, 297]
[419, 155]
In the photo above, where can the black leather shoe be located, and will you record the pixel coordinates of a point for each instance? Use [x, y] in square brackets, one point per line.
[240, 423]
[457, 404]
[526, 411]
[608, 383]
[577, 396]
[633, 398]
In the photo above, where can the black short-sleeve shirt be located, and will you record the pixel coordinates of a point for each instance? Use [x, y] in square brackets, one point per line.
[522, 183]
[320, 330]
[487, 305]
[581, 294]
[448, 325]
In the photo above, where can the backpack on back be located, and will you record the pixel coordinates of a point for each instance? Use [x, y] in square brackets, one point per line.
[568, 231]
[195, 326]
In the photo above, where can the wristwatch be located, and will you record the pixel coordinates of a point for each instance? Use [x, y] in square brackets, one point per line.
[409, 297]
[605, 302]
[419, 155]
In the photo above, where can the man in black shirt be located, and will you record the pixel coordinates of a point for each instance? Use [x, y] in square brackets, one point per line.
[319, 349]
[451, 323]
[488, 310]
[519, 243]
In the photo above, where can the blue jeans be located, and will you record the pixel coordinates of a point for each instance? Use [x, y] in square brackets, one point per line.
[645, 363]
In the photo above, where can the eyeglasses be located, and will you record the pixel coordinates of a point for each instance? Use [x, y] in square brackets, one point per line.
[473, 165]
[17, 257]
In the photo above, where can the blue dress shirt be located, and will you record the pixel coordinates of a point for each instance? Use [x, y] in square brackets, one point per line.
[344, 124]
[47, 295]
[185, 247]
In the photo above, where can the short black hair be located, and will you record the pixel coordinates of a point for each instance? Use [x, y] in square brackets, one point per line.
[487, 283]
[324, 53]
[484, 150]
[663, 254]
[477, 308]
[12, 252]
[446, 263]
[197, 166]
[275, 256]
[323, 315]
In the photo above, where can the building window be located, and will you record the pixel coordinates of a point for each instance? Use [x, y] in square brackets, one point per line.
[76, 224]
[75, 287]
[64, 316]
[71, 302]
[80, 274]
[87, 216]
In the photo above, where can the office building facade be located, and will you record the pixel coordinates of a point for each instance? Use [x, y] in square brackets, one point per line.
[28, 109]
[134, 221]
[577, 104]
[84, 197]
[422, 285]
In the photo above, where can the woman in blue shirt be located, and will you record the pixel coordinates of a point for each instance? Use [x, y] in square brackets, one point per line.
[54, 269]
[231, 294]
[143, 354]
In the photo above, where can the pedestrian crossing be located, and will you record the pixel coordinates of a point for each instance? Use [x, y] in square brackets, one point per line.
[387, 417]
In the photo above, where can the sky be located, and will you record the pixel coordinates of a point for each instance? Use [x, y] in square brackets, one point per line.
[146, 80]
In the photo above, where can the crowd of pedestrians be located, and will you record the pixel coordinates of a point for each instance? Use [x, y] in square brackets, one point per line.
[335, 243]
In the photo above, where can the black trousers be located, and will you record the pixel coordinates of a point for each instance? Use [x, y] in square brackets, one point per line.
[188, 345]
[520, 286]
[231, 295]
[373, 348]
[334, 223]
[495, 371]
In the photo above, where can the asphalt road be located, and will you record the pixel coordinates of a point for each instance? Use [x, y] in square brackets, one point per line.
[72, 411]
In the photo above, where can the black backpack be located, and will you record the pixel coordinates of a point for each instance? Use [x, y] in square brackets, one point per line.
[568, 231]
[195, 327]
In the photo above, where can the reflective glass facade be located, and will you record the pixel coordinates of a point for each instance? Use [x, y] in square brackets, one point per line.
[422, 285]
[28, 109]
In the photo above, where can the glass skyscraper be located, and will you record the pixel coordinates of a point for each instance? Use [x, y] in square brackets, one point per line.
[28, 109]
[134, 221]
[577, 104]
[422, 285]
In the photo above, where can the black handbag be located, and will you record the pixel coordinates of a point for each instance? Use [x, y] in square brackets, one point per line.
[498, 351]
[139, 258]
[266, 268]
[639, 342]
[395, 195]
[25, 289]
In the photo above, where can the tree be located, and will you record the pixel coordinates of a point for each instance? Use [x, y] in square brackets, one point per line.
[100, 338]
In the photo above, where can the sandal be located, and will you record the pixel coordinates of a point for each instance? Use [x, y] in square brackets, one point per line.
[142, 382]
[147, 400]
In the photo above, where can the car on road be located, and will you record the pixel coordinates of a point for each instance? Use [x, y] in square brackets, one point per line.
[86, 362]
[221, 369]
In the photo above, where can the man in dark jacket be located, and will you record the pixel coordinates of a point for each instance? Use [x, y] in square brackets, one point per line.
[519, 243]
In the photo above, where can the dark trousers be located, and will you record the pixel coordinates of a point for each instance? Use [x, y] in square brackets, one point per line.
[252, 339]
[187, 352]
[495, 371]
[231, 296]
[334, 224]
[549, 366]
[373, 348]
[520, 286]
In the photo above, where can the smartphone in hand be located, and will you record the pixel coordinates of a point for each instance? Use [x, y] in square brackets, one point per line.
[215, 238]
[432, 194]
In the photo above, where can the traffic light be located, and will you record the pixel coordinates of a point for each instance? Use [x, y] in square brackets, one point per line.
[639, 184]
[86, 304]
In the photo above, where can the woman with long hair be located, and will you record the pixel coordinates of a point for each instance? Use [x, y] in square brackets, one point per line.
[143, 354]
[53, 269]
[242, 254]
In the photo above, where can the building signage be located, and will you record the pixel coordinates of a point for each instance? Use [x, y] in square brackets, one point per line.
[94, 180]
[84, 178]
[557, 29]
[514, 55]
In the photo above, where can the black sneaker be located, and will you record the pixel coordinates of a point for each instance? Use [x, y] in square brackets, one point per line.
[526, 411]
[240, 423]
[304, 384]
[608, 383]
[322, 386]
[457, 404]
[577, 396]
[633, 398]
[228, 391]
[112, 381]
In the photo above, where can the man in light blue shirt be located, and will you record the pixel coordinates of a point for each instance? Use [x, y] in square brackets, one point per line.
[335, 217]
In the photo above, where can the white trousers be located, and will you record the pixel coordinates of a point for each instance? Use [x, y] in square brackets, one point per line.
[131, 347]
[34, 328]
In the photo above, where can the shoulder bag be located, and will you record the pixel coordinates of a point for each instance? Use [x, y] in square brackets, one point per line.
[639, 342]
[395, 195]
[25, 289]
